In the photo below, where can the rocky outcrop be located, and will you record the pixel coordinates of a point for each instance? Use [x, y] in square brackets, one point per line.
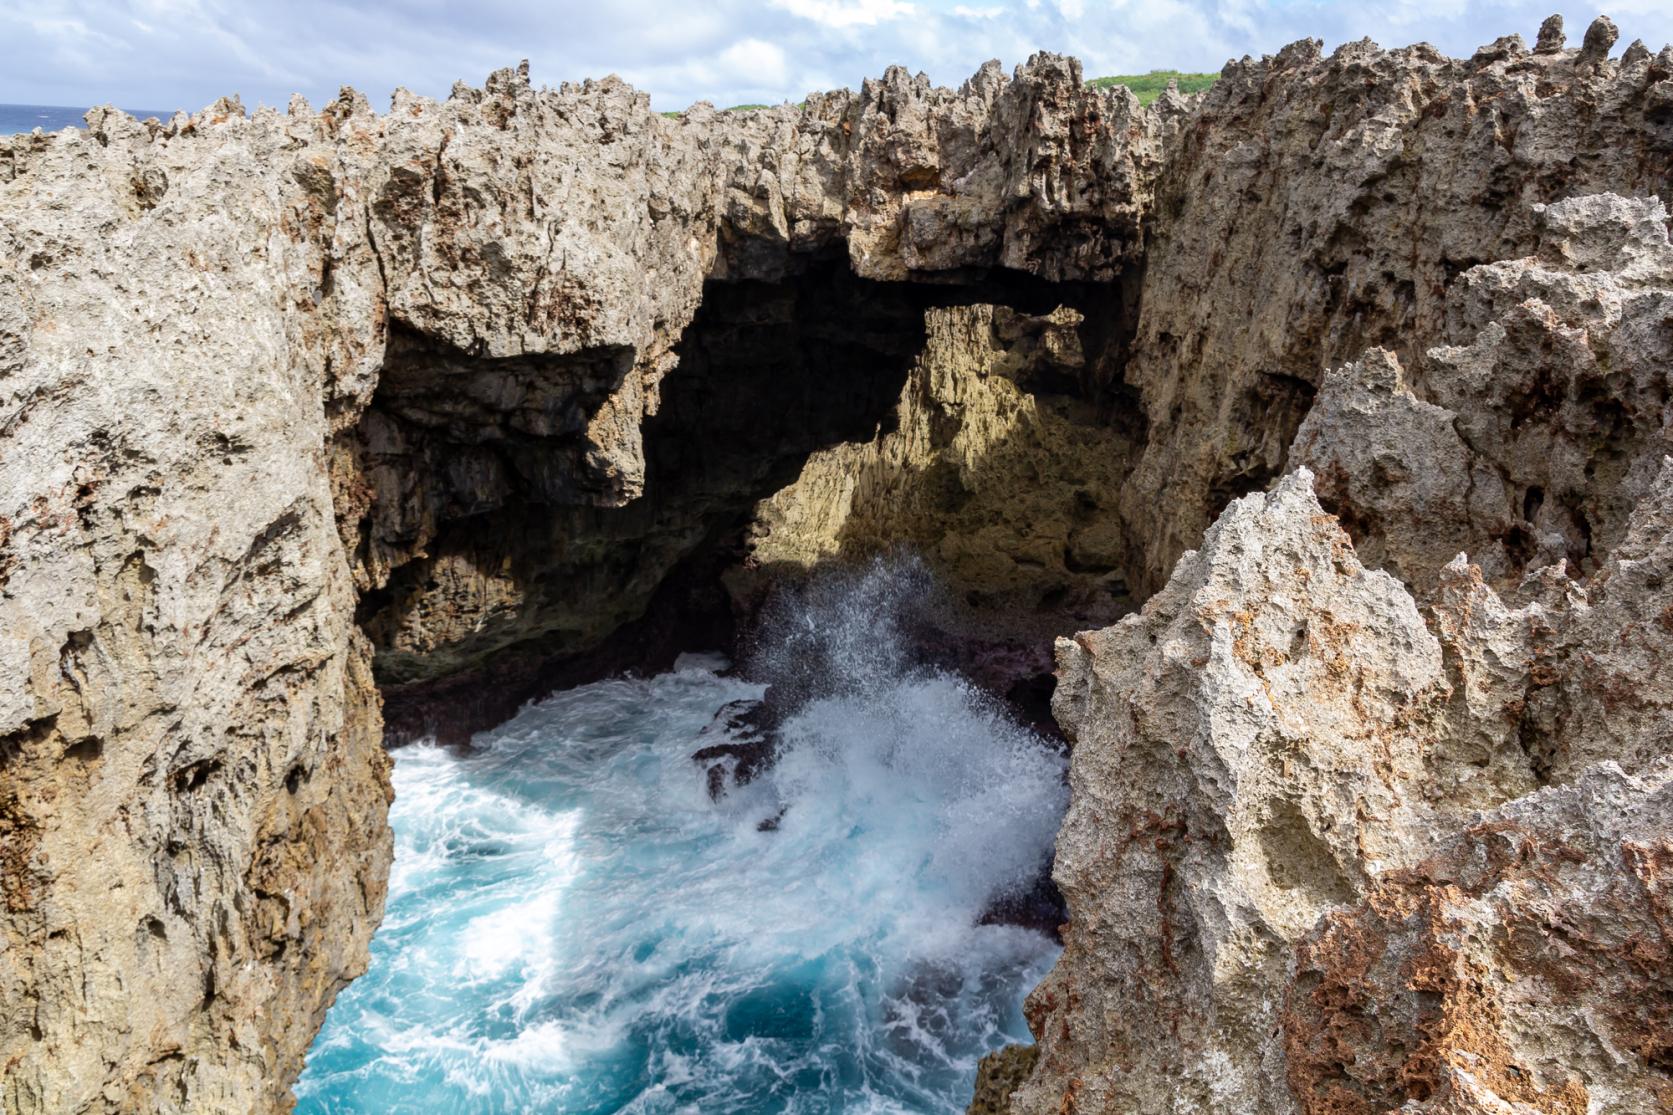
[1522, 966]
[999, 1076]
[192, 783]
[474, 397]
[273, 380]
[1245, 756]
[1529, 440]
[1341, 841]
[1321, 205]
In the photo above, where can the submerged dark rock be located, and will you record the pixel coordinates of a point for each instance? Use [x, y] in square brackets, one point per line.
[748, 730]
[1037, 905]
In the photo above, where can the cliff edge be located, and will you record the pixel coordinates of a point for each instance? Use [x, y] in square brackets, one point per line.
[319, 428]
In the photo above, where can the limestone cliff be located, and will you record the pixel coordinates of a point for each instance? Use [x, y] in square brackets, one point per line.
[1322, 205]
[469, 398]
[1333, 851]
[271, 380]
[192, 783]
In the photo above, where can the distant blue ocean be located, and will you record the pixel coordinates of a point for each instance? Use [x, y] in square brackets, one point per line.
[50, 118]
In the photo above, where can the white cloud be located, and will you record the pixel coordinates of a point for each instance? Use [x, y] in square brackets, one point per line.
[188, 52]
[753, 62]
[846, 13]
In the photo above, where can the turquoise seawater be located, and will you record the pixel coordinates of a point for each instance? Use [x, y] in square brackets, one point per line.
[51, 118]
[575, 926]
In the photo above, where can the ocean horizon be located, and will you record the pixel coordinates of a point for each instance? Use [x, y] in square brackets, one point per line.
[52, 118]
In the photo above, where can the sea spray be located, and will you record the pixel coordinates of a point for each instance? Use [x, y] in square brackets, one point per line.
[576, 925]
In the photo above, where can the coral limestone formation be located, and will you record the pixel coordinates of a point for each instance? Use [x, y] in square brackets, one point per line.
[1350, 375]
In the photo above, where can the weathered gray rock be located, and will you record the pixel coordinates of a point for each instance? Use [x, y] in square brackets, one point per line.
[192, 784]
[1603, 690]
[1281, 895]
[1327, 854]
[458, 389]
[1250, 752]
[1319, 206]
[1396, 471]
[1600, 36]
[1551, 36]
[1530, 440]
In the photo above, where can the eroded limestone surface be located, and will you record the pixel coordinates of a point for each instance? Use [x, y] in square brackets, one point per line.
[1342, 841]
[1321, 205]
[997, 469]
[486, 392]
[254, 366]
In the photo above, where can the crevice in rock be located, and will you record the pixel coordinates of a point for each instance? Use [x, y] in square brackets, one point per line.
[503, 552]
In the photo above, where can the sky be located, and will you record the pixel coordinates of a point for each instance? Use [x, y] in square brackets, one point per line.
[166, 54]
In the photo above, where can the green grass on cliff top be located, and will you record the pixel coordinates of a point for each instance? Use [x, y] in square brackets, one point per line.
[1148, 86]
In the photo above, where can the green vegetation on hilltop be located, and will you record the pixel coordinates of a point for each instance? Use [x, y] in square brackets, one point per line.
[1150, 86]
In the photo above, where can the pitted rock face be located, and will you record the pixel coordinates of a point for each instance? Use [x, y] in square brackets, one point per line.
[1530, 440]
[1250, 751]
[1405, 860]
[1286, 893]
[1521, 966]
[192, 784]
[485, 379]
[1318, 206]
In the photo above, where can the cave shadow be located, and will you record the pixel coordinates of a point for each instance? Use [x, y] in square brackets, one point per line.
[769, 373]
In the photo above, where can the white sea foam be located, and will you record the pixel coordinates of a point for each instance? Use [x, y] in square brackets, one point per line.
[574, 925]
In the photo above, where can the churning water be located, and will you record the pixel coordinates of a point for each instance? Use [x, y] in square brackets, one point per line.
[574, 925]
